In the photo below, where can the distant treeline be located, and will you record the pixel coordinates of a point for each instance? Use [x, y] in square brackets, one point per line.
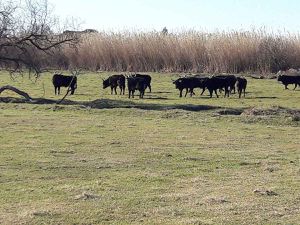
[192, 51]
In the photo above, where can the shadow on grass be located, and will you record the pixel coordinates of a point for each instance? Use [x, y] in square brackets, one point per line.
[161, 92]
[157, 98]
[107, 103]
[266, 97]
[111, 104]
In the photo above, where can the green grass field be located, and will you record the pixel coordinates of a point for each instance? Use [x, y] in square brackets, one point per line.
[105, 159]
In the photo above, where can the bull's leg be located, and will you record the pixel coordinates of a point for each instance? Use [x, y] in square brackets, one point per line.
[186, 91]
[55, 90]
[203, 89]
[180, 93]
[295, 86]
[141, 94]
[111, 90]
[244, 92]
[210, 92]
[58, 90]
[216, 93]
[115, 89]
[191, 92]
[286, 86]
[227, 92]
[240, 93]
[149, 87]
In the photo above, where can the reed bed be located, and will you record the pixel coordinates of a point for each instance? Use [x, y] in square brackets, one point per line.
[187, 51]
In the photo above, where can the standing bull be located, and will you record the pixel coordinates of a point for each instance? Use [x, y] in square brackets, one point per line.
[214, 83]
[289, 79]
[136, 83]
[189, 83]
[231, 80]
[147, 78]
[115, 81]
[60, 80]
[241, 85]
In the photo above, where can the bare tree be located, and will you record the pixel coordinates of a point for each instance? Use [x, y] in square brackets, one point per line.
[30, 36]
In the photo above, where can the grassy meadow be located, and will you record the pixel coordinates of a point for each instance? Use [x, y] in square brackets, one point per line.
[105, 159]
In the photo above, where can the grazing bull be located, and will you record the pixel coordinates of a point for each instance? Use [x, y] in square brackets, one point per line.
[289, 79]
[60, 80]
[136, 83]
[189, 83]
[241, 85]
[115, 81]
[147, 79]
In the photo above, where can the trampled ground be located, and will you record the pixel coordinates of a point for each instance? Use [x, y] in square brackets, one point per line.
[105, 159]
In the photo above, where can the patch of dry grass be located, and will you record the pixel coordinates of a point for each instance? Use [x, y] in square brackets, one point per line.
[187, 51]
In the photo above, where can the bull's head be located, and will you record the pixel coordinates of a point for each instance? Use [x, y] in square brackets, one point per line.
[105, 83]
[177, 82]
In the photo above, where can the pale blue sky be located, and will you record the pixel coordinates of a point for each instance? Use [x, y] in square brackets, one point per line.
[206, 15]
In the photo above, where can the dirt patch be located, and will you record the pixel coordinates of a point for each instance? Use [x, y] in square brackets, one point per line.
[273, 111]
[87, 196]
[42, 213]
[194, 159]
[265, 76]
[250, 163]
[215, 200]
[176, 113]
[234, 112]
[265, 192]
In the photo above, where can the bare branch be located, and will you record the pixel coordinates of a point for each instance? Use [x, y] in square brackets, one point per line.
[16, 90]
[27, 38]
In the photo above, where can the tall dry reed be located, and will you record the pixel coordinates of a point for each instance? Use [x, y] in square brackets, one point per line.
[191, 51]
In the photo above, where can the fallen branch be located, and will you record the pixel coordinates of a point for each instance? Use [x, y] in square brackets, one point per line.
[257, 76]
[16, 90]
[60, 101]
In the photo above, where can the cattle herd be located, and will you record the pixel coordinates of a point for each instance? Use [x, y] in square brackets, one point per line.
[226, 83]
[140, 82]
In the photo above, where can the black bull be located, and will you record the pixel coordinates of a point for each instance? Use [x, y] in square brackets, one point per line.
[115, 81]
[60, 80]
[147, 79]
[136, 83]
[288, 79]
[189, 83]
